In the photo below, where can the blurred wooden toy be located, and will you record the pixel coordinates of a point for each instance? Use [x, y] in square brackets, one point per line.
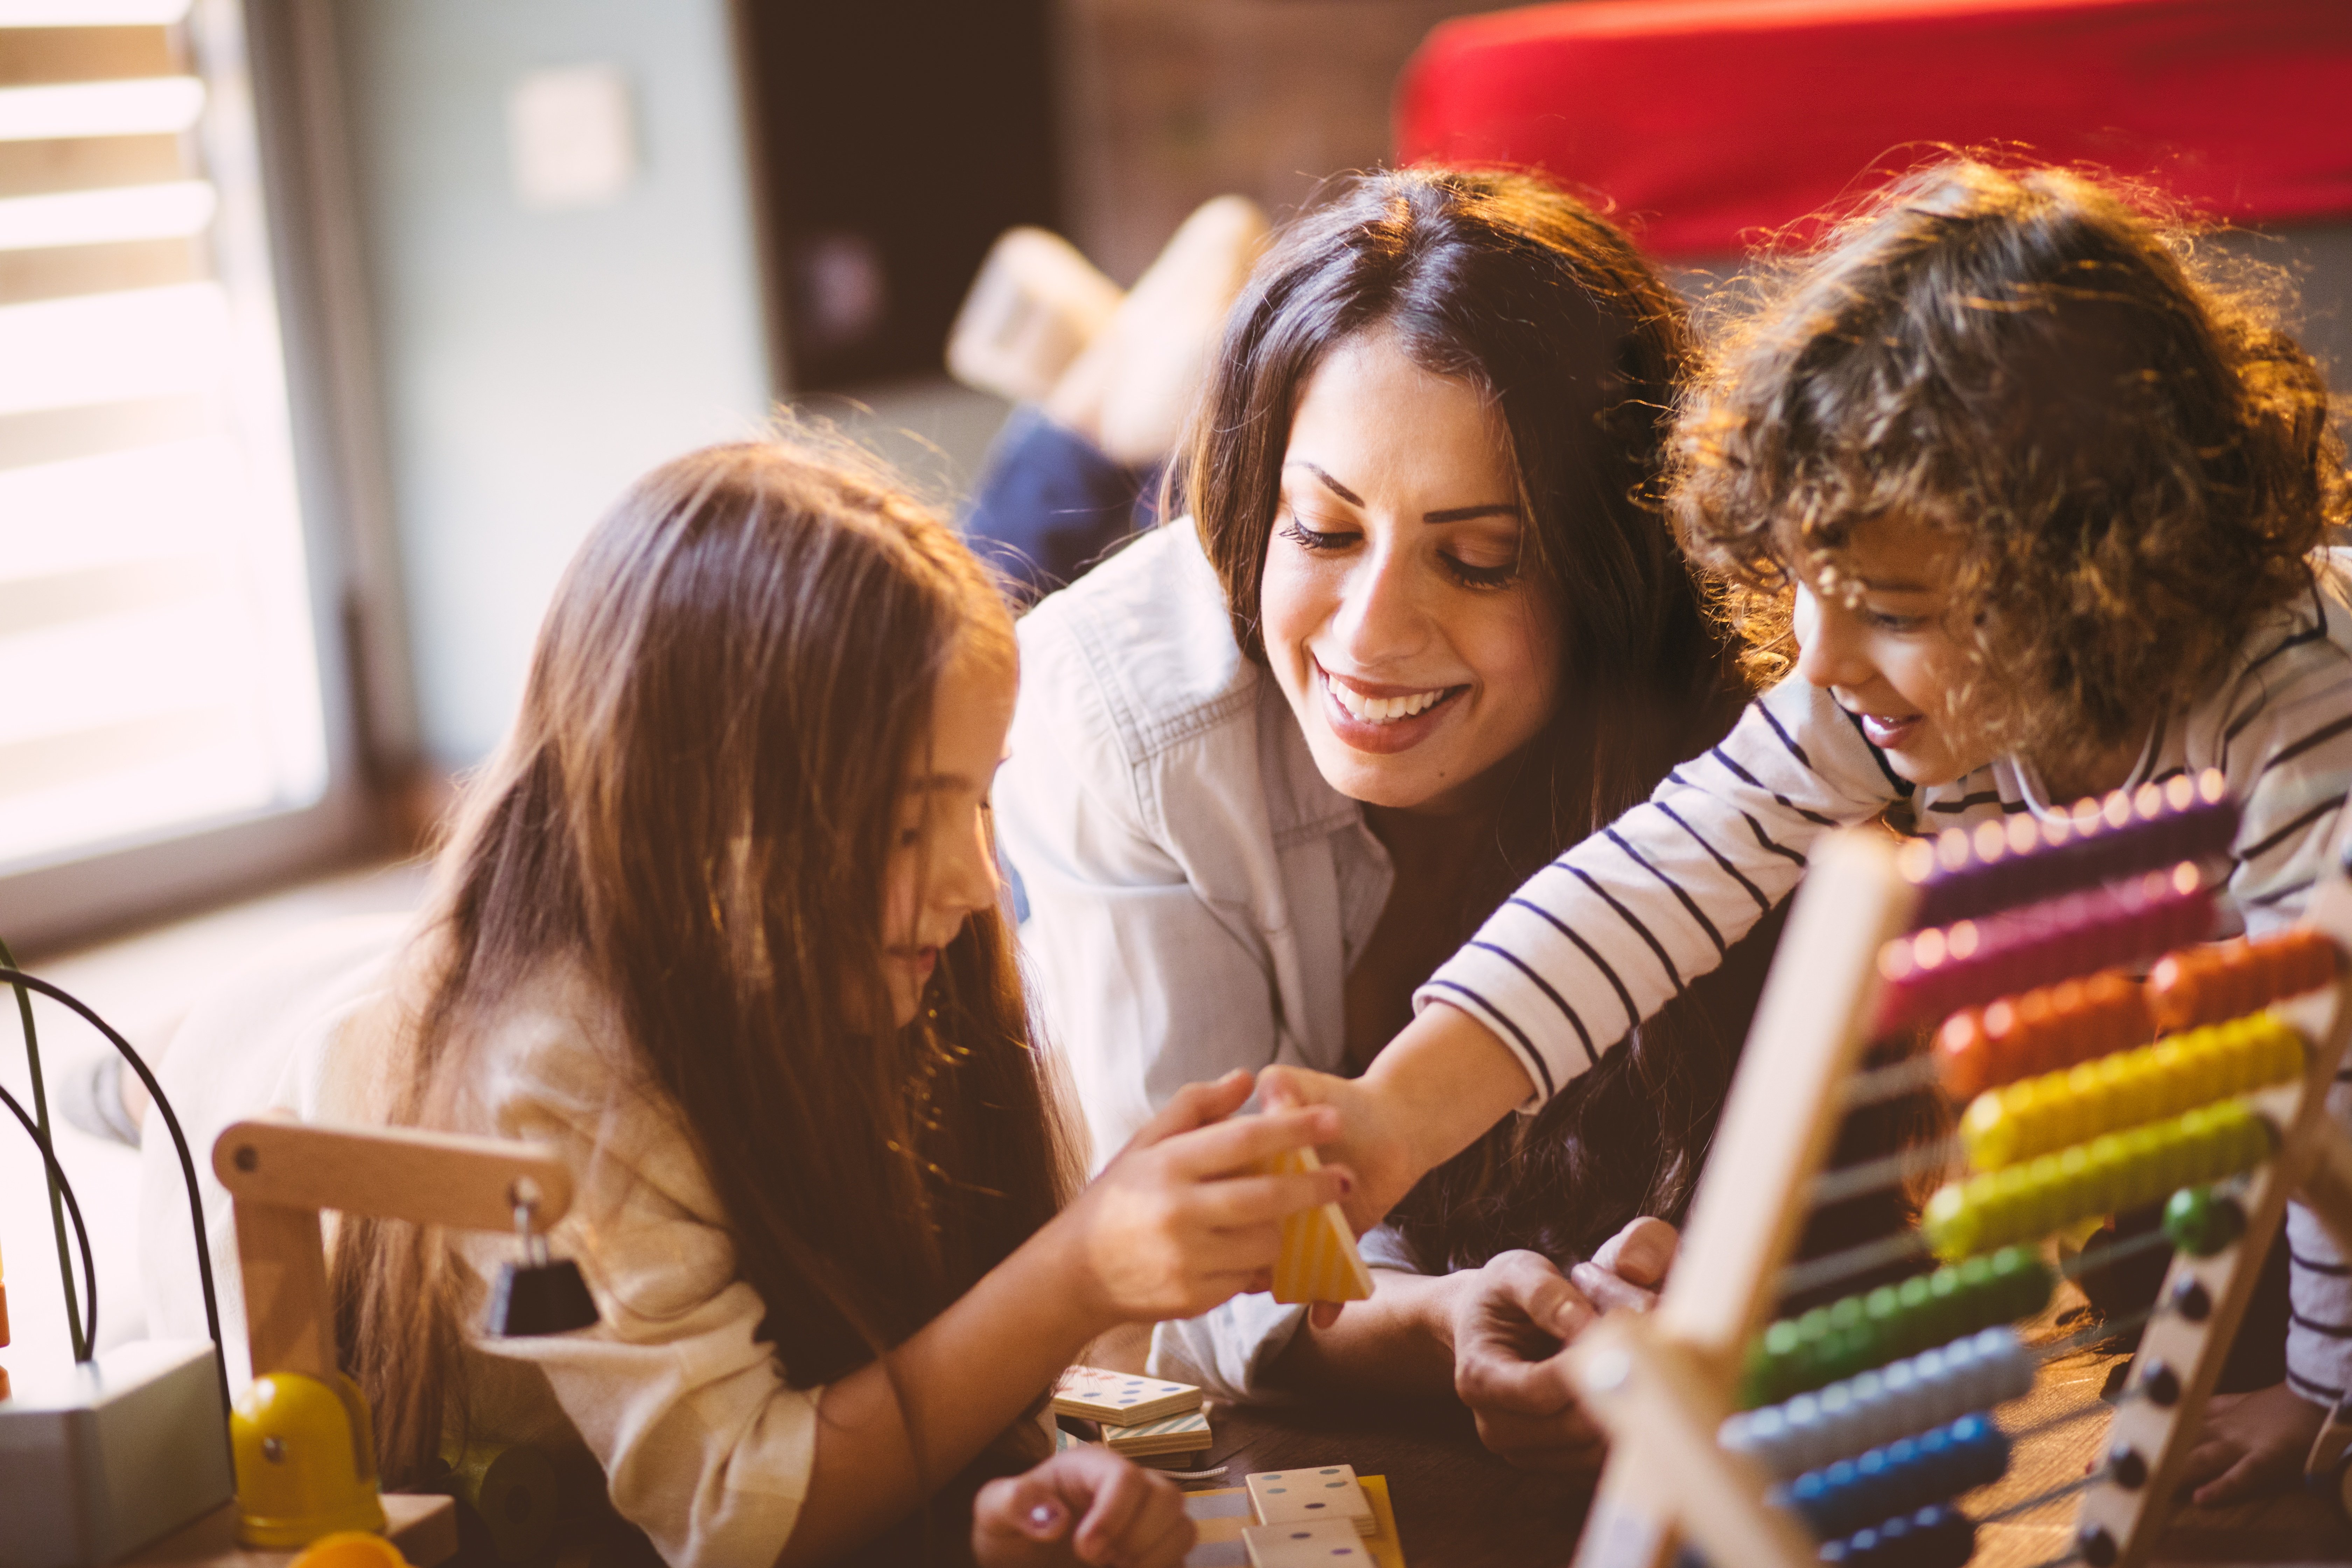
[1233, 1529]
[301, 1431]
[1847, 1433]
[1185, 1433]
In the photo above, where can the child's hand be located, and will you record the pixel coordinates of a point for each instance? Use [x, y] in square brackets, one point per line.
[1631, 1267]
[1373, 1140]
[1509, 1326]
[2253, 1444]
[1083, 1505]
[1182, 1220]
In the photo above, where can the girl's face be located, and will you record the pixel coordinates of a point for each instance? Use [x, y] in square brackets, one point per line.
[1888, 657]
[1414, 653]
[942, 866]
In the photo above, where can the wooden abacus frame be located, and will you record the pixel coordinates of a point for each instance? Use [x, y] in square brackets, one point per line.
[1663, 1384]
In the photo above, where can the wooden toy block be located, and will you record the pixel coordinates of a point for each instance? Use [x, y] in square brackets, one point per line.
[1319, 1261]
[1317, 1492]
[1322, 1544]
[1222, 1516]
[1186, 1432]
[1118, 1398]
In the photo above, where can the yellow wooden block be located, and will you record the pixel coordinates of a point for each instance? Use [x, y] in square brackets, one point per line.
[1319, 1261]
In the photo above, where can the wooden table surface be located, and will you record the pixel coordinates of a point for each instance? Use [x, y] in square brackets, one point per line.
[1457, 1506]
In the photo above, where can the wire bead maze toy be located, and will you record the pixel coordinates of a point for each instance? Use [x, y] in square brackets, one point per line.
[1846, 1432]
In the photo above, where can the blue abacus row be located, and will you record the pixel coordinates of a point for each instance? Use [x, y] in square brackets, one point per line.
[1901, 1477]
[1817, 1429]
[1937, 1536]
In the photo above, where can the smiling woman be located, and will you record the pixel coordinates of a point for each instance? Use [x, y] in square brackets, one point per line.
[1275, 761]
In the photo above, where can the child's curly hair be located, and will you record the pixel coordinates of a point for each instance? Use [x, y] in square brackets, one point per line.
[2133, 461]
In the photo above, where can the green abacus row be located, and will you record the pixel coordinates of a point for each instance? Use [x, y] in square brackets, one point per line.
[2114, 1171]
[1859, 1332]
[2007, 1126]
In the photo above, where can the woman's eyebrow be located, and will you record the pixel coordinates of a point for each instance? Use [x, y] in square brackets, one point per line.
[1465, 513]
[1334, 486]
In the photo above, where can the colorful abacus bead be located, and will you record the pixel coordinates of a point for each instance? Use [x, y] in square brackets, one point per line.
[1977, 1373]
[2201, 1222]
[1847, 1337]
[1963, 873]
[2114, 1171]
[1900, 1477]
[2204, 984]
[1937, 1536]
[1935, 972]
[2005, 1126]
[2042, 1031]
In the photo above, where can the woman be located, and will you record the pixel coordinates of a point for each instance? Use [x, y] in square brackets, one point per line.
[1274, 763]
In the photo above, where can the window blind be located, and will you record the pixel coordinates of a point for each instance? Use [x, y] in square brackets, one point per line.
[158, 674]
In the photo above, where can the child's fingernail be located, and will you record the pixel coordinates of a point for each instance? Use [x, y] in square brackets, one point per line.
[1346, 1183]
[1045, 1519]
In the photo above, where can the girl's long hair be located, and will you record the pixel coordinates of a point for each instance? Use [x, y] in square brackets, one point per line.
[1505, 282]
[693, 810]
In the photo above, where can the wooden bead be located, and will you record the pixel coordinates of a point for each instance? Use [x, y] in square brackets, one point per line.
[2206, 984]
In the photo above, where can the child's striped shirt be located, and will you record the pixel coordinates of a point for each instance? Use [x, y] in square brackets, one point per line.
[1603, 936]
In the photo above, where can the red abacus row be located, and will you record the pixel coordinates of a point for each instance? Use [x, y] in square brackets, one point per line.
[1932, 973]
[2228, 980]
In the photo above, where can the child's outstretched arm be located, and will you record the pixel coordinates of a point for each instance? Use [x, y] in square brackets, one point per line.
[1180, 1221]
[1600, 939]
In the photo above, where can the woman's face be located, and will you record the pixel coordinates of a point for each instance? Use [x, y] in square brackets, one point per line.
[1414, 653]
[942, 867]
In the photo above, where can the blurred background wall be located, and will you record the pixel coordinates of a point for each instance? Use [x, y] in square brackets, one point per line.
[532, 361]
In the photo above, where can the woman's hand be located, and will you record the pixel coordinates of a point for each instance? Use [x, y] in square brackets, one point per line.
[1182, 1220]
[1510, 1325]
[1083, 1505]
[2253, 1445]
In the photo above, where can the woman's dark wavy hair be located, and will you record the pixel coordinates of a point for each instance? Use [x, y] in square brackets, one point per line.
[1505, 282]
[2132, 458]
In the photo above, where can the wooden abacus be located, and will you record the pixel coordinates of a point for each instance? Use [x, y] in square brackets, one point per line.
[1846, 1433]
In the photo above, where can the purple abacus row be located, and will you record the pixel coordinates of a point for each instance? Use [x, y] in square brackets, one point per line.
[1935, 973]
[1959, 880]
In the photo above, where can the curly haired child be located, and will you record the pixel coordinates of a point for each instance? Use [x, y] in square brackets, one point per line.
[2041, 502]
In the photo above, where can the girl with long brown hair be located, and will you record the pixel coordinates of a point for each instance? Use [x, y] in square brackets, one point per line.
[719, 921]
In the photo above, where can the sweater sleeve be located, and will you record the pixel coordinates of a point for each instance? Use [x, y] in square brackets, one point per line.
[2286, 747]
[675, 1390]
[1605, 935]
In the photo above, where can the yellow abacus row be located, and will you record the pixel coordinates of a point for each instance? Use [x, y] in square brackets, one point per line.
[2004, 1126]
[2114, 1171]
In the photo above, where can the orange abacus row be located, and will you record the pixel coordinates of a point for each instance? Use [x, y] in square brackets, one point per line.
[2043, 1030]
[2054, 1027]
[2208, 984]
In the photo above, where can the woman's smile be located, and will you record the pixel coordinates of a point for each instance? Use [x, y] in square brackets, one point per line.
[1380, 717]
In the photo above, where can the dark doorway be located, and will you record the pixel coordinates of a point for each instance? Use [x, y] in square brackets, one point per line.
[895, 140]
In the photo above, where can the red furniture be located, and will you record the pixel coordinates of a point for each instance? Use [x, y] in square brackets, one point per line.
[1707, 123]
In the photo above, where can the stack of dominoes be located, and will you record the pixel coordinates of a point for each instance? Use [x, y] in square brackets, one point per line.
[1141, 1417]
[1317, 1515]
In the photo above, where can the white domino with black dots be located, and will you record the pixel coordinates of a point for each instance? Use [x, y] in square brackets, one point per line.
[1307, 1496]
[1324, 1543]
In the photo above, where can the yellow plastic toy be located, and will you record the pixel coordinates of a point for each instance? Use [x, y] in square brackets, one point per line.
[352, 1549]
[301, 1433]
[305, 1459]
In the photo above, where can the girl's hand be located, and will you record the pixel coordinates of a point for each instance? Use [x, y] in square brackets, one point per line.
[1182, 1220]
[1631, 1267]
[2252, 1445]
[1083, 1505]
